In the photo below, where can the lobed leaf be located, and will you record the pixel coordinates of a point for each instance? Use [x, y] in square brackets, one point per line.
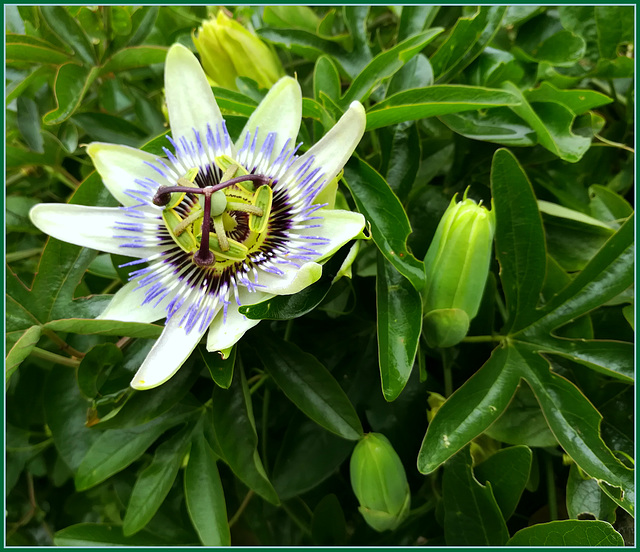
[568, 532]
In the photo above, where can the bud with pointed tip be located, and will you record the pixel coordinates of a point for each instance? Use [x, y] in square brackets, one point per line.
[457, 266]
[228, 50]
[379, 482]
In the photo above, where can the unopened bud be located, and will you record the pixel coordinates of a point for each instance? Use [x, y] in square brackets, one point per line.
[457, 266]
[228, 50]
[379, 482]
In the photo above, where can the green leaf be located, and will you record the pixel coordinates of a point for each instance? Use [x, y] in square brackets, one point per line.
[310, 386]
[29, 123]
[115, 449]
[72, 83]
[390, 226]
[552, 123]
[236, 436]
[37, 52]
[95, 368]
[287, 307]
[508, 472]
[21, 349]
[577, 101]
[326, 79]
[519, 239]
[35, 79]
[142, 23]
[615, 26]
[466, 41]
[90, 326]
[66, 413]
[403, 158]
[608, 206]
[433, 101]
[309, 454]
[584, 496]
[471, 514]
[221, 370]
[328, 526]
[471, 409]
[385, 65]
[89, 535]
[120, 20]
[608, 274]
[109, 128]
[204, 495]
[568, 532]
[134, 57]
[155, 481]
[69, 31]
[574, 422]
[399, 308]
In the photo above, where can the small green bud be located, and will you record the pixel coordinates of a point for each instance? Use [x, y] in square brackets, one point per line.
[379, 482]
[457, 266]
[228, 50]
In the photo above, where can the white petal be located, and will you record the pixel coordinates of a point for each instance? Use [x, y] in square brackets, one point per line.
[190, 101]
[121, 166]
[92, 227]
[339, 226]
[127, 306]
[168, 353]
[281, 112]
[292, 280]
[334, 149]
[224, 334]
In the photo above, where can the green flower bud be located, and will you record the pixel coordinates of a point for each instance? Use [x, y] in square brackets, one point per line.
[457, 266]
[379, 482]
[228, 50]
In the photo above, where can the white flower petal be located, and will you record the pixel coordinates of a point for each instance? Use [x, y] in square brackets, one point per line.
[93, 227]
[190, 101]
[126, 305]
[224, 334]
[281, 112]
[121, 166]
[335, 147]
[292, 280]
[339, 226]
[168, 353]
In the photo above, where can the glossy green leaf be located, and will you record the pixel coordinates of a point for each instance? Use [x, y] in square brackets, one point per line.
[386, 64]
[508, 472]
[236, 436]
[142, 22]
[578, 101]
[309, 454]
[402, 160]
[399, 308]
[37, 52]
[493, 67]
[434, 101]
[155, 481]
[615, 26]
[471, 514]
[310, 386]
[315, 110]
[95, 367]
[553, 125]
[36, 78]
[92, 326]
[290, 16]
[133, 57]
[568, 533]
[584, 497]
[66, 413]
[608, 206]
[204, 495]
[287, 307]
[104, 127]
[72, 83]
[523, 423]
[70, 32]
[471, 409]
[499, 125]
[88, 535]
[416, 73]
[466, 41]
[390, 226]
[120, 20]
[328, 525]
[21, 349]
[574, 422]
[221, 370]
[29, 123]
[326, 79]
[519, 239]
[115, 449]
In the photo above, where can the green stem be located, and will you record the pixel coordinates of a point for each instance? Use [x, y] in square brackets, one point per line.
[114, 284]
[482, 338]
[265, 417]
[62, 343]
[258, 385]
[551, 489]
[238, 513]
[295, 519]
[24, 254]
[288, 330]
[501, 307]
[63, 176]
[53, 357]
[447, 363]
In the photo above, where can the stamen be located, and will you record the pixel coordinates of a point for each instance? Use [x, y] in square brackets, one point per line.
[218, 226]
[163, 195]
[245, 208]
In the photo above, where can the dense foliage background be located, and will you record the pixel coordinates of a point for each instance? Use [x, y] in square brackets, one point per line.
[515, 439]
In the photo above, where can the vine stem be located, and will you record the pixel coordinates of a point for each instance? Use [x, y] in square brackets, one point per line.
[241, 508]
[482, 338]
[551, 489]
[53, 357]
[62, 343]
